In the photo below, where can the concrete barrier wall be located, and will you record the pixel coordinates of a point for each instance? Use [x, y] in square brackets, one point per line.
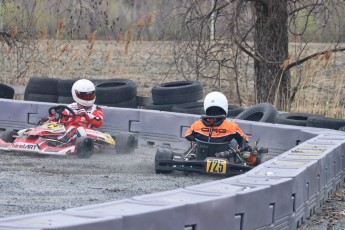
[307, 166]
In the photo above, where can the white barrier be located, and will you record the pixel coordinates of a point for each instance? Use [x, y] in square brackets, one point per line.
[278, 194]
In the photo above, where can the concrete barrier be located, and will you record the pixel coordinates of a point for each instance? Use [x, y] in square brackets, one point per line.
[307, 166]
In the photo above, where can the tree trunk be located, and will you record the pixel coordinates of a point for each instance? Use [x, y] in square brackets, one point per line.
[272, 83]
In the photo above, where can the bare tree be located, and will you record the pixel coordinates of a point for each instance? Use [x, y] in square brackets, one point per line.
[216, 38]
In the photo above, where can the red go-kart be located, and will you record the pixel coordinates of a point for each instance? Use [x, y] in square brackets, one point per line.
[50, 138]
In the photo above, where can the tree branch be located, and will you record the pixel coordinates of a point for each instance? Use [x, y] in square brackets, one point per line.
[296, 63]
[304, 7]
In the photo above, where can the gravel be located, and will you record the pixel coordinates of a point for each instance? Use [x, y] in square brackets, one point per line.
[32, 184]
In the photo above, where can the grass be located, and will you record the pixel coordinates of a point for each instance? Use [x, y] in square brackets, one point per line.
[319, 82]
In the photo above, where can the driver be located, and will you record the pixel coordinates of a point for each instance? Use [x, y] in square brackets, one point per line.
[216, 105]
[88, 115]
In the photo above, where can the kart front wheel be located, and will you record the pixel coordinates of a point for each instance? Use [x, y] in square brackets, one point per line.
[8, 136]
[125, 143]
[85, 147]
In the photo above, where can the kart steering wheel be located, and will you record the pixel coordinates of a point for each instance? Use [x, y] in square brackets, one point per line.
[59, 110]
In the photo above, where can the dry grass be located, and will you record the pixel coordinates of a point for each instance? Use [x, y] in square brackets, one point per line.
[321, 88]
[320, 81]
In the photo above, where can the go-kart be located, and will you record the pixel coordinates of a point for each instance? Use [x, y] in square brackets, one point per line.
[50, 137]
[209, 158]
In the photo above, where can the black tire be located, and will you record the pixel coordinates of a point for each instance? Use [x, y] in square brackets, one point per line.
[65, 100]
[6, 91]
[190, 108]
[263, 112]
[166, 108]
[8, 136]
[115, 91]
[177, 92]
[85, 147]
[125, 143]
[125, 104]
[198, 109]
[234, 111]
[298, 119]
[41, 85]
[325, 122]
[163, 153]
[64, 87]
[42, 97]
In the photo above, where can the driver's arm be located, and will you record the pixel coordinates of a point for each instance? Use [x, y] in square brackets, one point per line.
[96, 118]
[239, 134]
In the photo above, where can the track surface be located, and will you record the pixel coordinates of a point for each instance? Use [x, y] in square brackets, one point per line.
[32, 184]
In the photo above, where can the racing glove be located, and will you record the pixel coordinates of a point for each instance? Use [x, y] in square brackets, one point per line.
[83, 113]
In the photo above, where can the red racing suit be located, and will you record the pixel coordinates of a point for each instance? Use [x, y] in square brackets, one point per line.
[91, 117]
[223, 132]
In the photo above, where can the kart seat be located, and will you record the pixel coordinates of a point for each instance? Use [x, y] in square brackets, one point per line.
[209, 149]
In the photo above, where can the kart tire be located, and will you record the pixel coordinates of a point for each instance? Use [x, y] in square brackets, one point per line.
[85, 147]
[41, 85]
[298, 119]
[8, 136]
[42, 97]
[65, 100]
[325, 122]
[64, 87]
[125, 104]
[177, 92]
[115, 91]
[125, 143]
[6, 91]
[263, 112]
[163, 153]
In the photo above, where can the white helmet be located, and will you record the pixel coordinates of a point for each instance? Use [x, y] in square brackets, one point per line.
[216, 102]
[84, 92]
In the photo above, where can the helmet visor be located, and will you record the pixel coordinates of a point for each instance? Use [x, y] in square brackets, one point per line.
[86, 96]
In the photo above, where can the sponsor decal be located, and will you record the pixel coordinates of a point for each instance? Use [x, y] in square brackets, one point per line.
[25, 146]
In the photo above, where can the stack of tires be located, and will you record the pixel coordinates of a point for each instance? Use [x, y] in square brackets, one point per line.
[6, 91]
[41, 89]
[182, 97]
[165, 96]
[116, 93]
[112, 92]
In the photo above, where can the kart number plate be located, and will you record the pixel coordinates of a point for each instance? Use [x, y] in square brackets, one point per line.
[216, 166]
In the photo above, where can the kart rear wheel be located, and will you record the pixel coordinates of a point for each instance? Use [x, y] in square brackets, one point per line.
[85, 147]
[8, 136]
[163, 153]
[125, 143]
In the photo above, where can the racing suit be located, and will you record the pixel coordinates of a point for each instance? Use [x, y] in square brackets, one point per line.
[221, 131]
[224, 132]
[91, 117]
